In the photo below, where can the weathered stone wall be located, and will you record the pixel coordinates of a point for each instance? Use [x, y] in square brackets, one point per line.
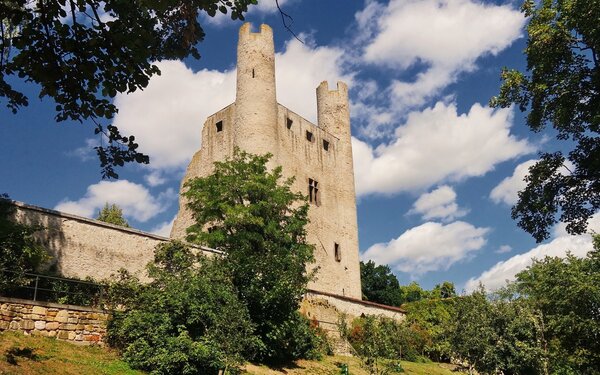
[256, 123]
[324, 307]
[82, 247]
[77, 324]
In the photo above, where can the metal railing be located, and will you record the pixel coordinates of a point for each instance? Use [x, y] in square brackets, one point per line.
[55, 289]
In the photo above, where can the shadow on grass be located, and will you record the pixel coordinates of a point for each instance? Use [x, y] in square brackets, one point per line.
[13, 353]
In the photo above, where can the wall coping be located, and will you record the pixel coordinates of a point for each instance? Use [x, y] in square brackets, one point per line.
[359, 301]
[99, 223]
[51, 305]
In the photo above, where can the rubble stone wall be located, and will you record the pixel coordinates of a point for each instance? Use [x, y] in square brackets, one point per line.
[77, 324]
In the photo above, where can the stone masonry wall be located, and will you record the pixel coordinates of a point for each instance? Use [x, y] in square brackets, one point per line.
[81, 247]
[76, 324]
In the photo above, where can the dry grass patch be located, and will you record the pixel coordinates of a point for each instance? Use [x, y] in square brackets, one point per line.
[20, 354]
[328, 366]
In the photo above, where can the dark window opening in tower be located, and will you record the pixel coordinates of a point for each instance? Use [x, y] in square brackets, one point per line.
[289, 123]
[337, 251]
[309, 136]
[325, 145]
[219, 126]
[252, 73]
[313, 191]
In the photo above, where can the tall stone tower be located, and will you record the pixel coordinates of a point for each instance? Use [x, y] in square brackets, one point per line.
[319, 157]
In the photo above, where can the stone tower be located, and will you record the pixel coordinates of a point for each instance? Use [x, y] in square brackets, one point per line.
[320, 157]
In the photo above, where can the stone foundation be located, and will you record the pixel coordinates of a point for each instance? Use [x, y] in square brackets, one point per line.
[77, 324]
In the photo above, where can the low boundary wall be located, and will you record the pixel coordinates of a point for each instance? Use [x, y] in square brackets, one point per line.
[82, 247]
[77, 324]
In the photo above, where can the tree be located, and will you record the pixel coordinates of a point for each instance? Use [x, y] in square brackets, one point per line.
[187, 320]
[82, 53]
[251, 213]
[566, 293]
[19, 252]
[112, 214]
[561, 89]
[379, 284]
[443, 290]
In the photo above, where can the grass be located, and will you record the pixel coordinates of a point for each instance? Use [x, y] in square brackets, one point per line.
[328, 366]
[20, 354]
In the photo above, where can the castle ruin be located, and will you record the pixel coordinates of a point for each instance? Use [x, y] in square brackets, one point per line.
[319, 157]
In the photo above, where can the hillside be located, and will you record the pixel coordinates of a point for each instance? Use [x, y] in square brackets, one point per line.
[41, 355]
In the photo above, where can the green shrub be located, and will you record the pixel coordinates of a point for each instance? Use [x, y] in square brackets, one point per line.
[188, 320]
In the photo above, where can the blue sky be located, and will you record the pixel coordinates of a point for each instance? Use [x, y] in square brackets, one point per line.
[436, 169]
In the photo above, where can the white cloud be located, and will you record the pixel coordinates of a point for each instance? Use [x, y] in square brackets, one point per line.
[579, 246]
[437, 145]
[166, 118]
[442, 37]
[438, 204]
[507, 190]
[135, 200]
[155, 178]
[504, 249]
[497, 276]
[164, 228]
[262, 8]
[300, 69]
[428, 247]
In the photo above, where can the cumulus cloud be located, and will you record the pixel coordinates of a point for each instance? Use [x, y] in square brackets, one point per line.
[135, 200]
[167, 116]
[437, 145]
[438, 204]
[504, 249]
[300, 68]
[408, 33]
[508, 189]
[497, 276]
[164, 228]
[506, 270]
[428, 247]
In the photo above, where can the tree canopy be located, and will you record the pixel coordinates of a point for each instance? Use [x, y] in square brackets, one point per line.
[251, 213]
[19, 252]
[82, 53]
[560, 89]
[112, 214]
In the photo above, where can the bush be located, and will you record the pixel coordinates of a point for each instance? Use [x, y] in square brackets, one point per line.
[381, 343]
[188, 320]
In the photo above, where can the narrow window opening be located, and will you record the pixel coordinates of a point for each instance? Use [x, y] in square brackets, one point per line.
[309, 136]
[337, 251]
[325, 145]
[313, 191]
[289, 123]
[219, 126]
[252, 73]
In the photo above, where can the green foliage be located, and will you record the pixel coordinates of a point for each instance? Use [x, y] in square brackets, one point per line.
[251, 213]
[380, 343]
[112, 214]
[496, 336]
[434, 317]
[561, 89]
[82, 58]
[19, 253]
[187, 320]
[565, 293]
[379, 284]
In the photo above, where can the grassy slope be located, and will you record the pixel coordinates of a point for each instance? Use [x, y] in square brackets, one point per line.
[57, 357]
[328, 367]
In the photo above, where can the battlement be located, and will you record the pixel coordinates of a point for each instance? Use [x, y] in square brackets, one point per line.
[341, 88]
[265, 31]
